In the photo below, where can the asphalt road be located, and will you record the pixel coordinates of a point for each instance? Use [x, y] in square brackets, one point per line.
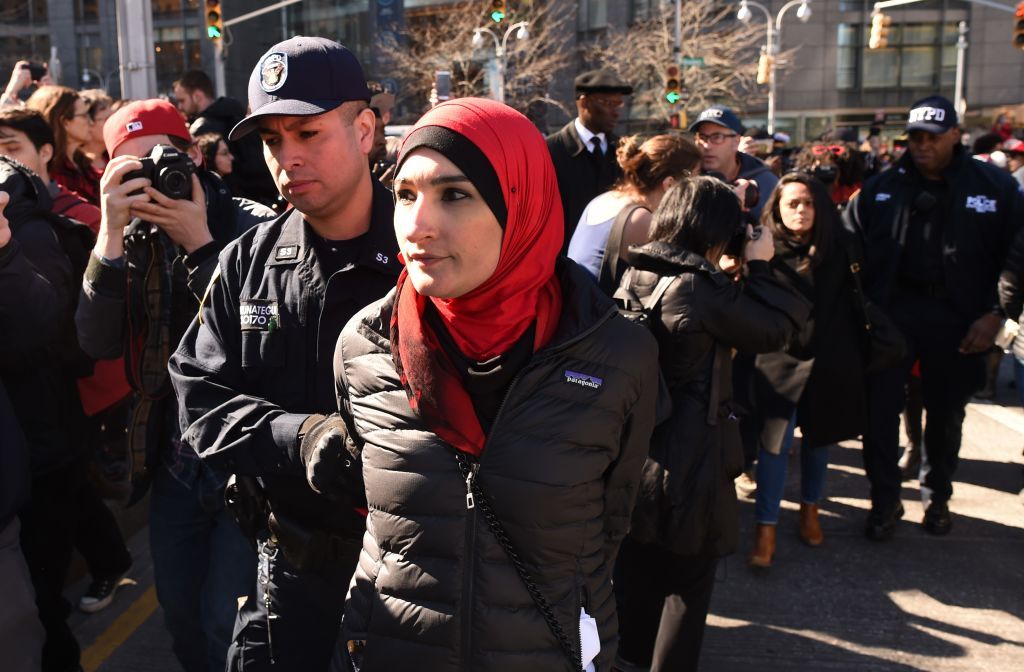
[917, 602]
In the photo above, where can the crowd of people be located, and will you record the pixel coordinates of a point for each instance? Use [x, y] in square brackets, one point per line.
[477, 400]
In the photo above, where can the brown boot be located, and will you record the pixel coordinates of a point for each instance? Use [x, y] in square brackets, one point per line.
[810, 526]
[764, 546]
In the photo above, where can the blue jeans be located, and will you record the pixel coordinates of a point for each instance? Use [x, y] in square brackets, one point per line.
[202, 564]
[1018, 372]
[771, 476]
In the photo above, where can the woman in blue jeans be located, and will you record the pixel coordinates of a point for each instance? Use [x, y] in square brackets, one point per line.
[816, 381]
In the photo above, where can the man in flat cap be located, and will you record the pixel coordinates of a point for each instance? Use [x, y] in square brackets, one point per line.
[584, 150]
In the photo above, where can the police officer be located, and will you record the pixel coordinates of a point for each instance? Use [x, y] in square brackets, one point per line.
[255, 369]
[935, 230]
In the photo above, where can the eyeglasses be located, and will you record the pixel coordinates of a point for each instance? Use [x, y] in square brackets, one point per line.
[819, 150]
[609, 103]
[713, 138]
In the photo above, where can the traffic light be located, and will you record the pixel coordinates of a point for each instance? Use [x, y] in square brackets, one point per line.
[672, 93]
[499, 10]
[214, 20]
[1018, 27]
[764, 68]
[879, 38]
[677, 120]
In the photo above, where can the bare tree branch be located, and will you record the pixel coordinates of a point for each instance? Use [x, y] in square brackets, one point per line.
[443, 40]
[640, 54]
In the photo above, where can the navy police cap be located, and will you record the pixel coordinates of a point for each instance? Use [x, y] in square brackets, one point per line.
[934, 114]
[302, 76]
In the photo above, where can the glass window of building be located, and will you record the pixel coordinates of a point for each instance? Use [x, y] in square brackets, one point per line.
[593, 14]
[918, 56]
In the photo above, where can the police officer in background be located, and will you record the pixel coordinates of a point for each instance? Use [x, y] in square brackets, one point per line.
[936, 230]
[255, 368]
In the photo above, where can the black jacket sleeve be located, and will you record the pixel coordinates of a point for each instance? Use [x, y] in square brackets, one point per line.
[29, 307]
[224, 421]
[1011, 281]
[759, 316]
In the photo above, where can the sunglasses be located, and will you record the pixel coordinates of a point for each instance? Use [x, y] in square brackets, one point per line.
[837, 150]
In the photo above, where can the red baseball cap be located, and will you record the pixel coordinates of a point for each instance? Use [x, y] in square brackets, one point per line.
[142, 118]
[1014, 146]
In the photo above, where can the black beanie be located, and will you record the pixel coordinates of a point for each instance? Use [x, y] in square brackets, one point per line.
[469, 159]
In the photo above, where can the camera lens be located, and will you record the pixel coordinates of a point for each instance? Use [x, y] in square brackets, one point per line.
[175, 184]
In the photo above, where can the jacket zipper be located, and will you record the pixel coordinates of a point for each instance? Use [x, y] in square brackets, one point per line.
[470, 537]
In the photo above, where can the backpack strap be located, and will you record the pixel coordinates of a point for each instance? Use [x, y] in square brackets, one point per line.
[608, 275]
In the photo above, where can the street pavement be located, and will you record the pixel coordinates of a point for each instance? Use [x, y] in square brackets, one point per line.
[917, 602]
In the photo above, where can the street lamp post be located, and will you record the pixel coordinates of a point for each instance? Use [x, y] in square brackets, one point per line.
[522, 32]
[773, 38]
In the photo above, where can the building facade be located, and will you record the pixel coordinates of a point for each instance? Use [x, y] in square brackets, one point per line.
[832, 79]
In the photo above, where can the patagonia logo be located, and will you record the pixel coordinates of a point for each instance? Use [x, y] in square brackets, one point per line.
[981, 204]
[286, 252]
[258, 315]
[880, 197]
[583, 379]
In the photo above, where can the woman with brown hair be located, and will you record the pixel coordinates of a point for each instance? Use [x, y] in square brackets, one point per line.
[621, 216]
[816, 381]
[68, 116]
[100, 107]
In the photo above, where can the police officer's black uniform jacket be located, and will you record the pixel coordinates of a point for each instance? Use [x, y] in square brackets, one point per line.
[987, 208]
[257, 361]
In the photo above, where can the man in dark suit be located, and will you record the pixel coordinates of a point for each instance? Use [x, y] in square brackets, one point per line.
[584, 150]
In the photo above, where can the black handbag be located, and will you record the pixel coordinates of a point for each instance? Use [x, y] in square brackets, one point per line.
[885, 345]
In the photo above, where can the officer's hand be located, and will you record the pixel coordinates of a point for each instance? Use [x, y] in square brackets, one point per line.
[115, 199]
[330, 458]
[982, 334]
[5, 229]
[184, 220]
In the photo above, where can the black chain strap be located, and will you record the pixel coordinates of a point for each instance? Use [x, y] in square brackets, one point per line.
[498, 530]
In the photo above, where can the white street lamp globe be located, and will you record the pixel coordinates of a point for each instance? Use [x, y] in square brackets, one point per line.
[522, 33]
[803, 12]
[477, 38]
[744, 14]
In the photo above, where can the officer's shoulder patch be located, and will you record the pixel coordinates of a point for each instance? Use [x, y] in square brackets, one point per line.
[214, 279]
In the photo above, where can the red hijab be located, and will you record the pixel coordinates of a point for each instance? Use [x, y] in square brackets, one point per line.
[523, 289]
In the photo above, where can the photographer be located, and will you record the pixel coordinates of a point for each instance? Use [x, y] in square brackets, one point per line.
[686, 515]
[153, 259]
[717, 133]
[24, 76]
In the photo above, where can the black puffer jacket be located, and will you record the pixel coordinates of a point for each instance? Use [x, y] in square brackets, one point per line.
[41, 380]
[687, 501]
[434, 590]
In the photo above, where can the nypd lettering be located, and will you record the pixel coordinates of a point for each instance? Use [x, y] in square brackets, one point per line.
[927, 114]
[881, 197]
[981, 204]
[583, 379]
[258, 315]
[711, 113]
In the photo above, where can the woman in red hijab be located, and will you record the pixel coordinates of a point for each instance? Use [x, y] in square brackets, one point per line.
[501, 409]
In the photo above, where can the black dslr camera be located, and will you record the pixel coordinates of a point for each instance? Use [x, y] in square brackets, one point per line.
[169, 170]
[738, 243]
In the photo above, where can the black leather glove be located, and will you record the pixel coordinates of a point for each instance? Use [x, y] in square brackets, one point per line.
[330, 458]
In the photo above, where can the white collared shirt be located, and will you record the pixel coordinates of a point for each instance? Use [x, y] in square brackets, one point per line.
[586, 135]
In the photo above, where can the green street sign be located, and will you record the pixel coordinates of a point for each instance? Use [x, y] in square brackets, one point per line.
[689, 62]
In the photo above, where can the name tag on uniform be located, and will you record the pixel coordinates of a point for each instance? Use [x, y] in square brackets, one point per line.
[258, 315]
[286, 252]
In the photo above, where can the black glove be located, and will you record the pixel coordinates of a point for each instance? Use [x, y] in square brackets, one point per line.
[330, 458]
